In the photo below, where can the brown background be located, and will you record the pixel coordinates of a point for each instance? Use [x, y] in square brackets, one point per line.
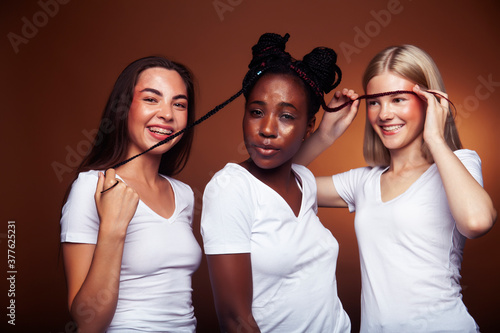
[53, 90]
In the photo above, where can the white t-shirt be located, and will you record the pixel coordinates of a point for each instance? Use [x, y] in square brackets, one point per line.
[410, 252]
[293, 258]
[160, 255]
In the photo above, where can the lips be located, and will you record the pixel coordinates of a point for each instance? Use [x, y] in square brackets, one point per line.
[160, 130]
[266, 150]
[391, 129]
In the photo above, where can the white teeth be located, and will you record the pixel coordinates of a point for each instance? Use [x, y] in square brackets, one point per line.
[161, 131]
[391, 128]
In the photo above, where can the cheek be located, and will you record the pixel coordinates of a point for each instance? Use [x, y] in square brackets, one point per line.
[415, 114]
[182, 119]
[371, 117]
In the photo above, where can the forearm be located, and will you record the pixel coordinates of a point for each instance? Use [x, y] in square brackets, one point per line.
[314, 146]
[236, 321]
[470, 205]
[95, 303]
[232, 285]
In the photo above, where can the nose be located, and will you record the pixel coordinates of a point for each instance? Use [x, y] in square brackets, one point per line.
[386, 112]
[268, 127]
[165, 112]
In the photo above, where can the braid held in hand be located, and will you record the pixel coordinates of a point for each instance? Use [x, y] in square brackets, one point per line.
[340, 107]
[318, 70]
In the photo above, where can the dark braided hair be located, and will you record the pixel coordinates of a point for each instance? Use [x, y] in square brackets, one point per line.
[318, 71]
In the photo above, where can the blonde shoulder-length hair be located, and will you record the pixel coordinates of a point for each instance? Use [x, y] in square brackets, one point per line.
[416, 65]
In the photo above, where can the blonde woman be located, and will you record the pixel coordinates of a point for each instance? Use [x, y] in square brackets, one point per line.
[416, 203]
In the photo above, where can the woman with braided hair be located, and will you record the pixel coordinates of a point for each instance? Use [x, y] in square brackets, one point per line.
[127, 241]
[416, 203]
[271, 262]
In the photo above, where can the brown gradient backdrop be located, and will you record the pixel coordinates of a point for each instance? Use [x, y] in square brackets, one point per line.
[54, 88]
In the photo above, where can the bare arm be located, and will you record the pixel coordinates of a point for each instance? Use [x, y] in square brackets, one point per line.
[332, 126]
[93, 271]
[470, 205]
[327, 193]
[231, 277]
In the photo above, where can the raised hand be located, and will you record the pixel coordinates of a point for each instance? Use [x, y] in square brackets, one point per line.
[437, 112]
[334, 124]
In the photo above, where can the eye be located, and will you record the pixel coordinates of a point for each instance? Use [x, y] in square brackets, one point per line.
[180, 105]
[371, 103]
[256, 112]
[398, 100]
[150, 100]
[288, 116]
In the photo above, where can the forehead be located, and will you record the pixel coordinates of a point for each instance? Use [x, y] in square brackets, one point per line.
[160, 77]
[283, 84]
[388, 81]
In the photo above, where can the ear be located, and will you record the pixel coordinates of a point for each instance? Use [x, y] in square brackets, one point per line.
[310, 128]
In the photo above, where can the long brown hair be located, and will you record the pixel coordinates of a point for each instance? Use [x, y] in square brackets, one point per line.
[112, 139]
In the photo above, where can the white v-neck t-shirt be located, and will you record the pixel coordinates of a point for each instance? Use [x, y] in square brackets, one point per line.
[410, 252]
[159, 257]
[293, 257]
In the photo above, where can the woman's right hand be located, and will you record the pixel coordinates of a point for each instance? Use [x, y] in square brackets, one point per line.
[116, 205]
[334, 124]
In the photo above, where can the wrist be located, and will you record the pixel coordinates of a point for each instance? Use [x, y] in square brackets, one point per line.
[327, 137]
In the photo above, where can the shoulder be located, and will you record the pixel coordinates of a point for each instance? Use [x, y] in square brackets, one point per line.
[470, 159]
[302, 170]
[467, 154]
[232, 177]
[230, 186]
[304, 174]
[179, 186]
[86, 182]
[79, 217]
[361, 173]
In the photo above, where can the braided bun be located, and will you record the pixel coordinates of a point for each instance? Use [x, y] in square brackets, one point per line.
[318, 70]
[322, 64]
[270, 48]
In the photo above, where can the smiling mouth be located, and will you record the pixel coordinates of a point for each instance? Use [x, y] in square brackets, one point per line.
[392, 128]
[161, 131]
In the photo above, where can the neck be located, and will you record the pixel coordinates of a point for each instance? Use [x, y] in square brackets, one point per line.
[143, 169]
[280, 176]
[405, 160]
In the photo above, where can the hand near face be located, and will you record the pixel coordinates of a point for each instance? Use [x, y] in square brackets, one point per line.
[436, 114]
[334, 124]
[116, 205]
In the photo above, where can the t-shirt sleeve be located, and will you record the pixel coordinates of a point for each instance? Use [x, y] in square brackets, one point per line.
[79, 218]
[346, 184]
[470, 159]
[227, 215]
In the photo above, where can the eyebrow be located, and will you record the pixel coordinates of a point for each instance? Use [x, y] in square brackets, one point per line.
[282, 104]
[159, 93]
[180, 96]
[151, 90]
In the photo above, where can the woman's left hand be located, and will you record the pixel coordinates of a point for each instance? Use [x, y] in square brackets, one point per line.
[436, 115]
